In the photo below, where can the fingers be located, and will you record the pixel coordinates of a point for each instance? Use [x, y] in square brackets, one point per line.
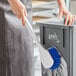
[25, 12]
[66, 19]
[23, 17]
[74, 17]
[19, 10]
[69, 20]
[19, 16]
[60, 13]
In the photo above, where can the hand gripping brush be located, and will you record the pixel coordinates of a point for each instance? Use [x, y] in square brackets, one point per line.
[50, 58]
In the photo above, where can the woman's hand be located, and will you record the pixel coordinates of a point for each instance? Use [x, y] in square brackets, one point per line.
[19, 9]
[69, 18]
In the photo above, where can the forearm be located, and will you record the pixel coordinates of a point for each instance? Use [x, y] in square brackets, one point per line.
[12, 1]
[61, 2]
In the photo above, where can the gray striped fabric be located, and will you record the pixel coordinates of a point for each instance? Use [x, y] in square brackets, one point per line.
[16, 46]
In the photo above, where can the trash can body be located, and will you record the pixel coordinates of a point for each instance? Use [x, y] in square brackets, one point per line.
[53, 32]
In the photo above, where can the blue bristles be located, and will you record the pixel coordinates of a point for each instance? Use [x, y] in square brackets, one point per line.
[56, 57]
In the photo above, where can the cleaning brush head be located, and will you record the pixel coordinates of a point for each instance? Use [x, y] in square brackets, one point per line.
[53, 51]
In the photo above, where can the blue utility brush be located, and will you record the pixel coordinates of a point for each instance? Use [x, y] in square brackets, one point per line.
[50, 58]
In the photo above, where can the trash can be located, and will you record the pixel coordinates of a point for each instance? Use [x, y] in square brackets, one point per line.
[53, 32]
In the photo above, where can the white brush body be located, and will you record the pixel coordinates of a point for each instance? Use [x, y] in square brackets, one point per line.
[45, 56]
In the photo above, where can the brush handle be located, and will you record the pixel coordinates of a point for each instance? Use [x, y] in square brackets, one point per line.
[29, 27]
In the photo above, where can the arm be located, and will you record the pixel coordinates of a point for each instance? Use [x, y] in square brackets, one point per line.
[64, 11]
[19, 9]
